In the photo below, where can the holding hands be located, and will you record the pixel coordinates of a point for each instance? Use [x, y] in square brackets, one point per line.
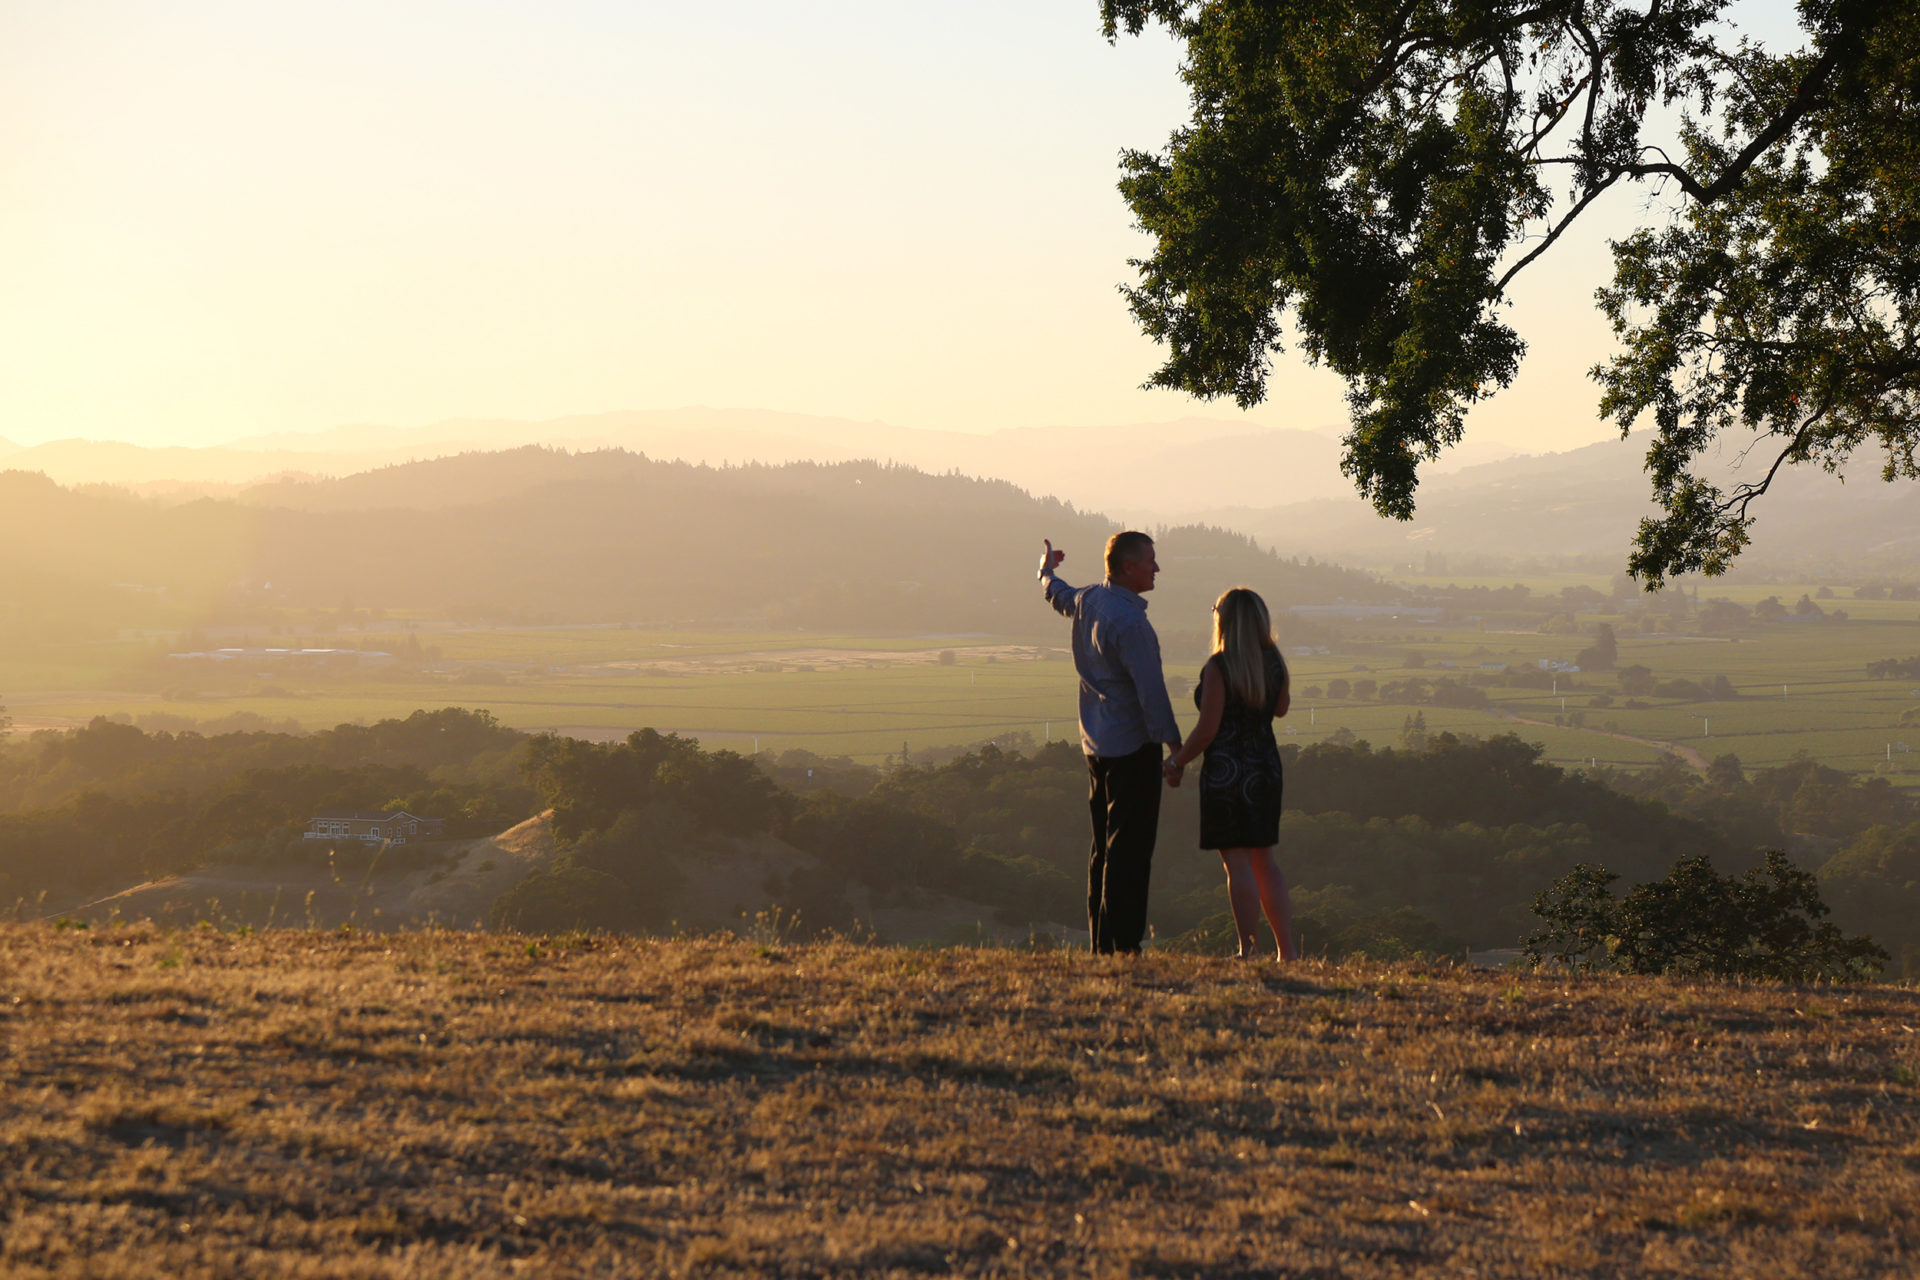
[1173, 771]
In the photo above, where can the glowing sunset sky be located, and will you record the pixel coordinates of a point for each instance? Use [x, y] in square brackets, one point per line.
[222, 219]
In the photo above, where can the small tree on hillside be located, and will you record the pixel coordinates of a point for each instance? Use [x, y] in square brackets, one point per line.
[1602, 653]
[1413, 732]
[1636, 681]
[1765, 924]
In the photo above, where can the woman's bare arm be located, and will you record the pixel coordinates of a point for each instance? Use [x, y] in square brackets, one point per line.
[1285, 700]
[1213, 704]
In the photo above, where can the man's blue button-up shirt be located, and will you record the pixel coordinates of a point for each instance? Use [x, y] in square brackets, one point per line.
[1123, 695]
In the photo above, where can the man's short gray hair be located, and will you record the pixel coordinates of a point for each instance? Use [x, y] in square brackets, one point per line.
[1125, 548]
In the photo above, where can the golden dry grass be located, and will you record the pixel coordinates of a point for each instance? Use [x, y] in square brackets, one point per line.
[447, 1104]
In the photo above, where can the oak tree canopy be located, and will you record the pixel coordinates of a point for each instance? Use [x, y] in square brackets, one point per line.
[1382, 170]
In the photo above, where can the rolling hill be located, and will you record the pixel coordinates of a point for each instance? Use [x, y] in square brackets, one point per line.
[545, 535]
[1154, 472]
[1585, 506]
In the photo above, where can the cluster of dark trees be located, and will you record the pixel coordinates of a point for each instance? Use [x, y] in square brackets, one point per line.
[1639, 681]
[1466, 690]
[1430, 848]
[1894, 669]
[92, 811]
[1444, 692]
[1435, 845]
[1602, 654]
[1861, 836]
[1879, 590]
[1390, 850]
[1004, 829]
[633, 819]
[1768, 924]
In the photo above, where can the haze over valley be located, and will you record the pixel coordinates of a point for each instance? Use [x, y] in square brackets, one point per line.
[536, 737]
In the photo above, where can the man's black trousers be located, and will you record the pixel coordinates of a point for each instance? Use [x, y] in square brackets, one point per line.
[1123, 799]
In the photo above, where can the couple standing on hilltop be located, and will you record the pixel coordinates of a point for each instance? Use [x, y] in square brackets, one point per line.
[1126, 719]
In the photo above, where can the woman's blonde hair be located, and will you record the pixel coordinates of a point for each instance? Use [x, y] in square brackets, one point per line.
[1242, 634]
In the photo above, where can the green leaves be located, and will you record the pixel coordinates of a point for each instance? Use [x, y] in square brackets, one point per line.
[1766, 924]
[1785, 312]
[1377, 172]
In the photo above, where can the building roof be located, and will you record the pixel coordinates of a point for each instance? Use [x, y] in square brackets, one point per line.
[366, 815]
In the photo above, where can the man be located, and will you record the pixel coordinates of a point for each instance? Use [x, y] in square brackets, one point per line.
[1125, 720]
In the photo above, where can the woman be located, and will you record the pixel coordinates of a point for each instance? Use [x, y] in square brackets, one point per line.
[1243, 688]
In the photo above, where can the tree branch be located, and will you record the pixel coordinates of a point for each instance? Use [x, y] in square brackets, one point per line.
[1592, 194]
[1554, 118]
[1812, 88]
[1743, 495]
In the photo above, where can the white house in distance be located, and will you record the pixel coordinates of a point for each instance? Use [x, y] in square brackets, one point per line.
[372, 827]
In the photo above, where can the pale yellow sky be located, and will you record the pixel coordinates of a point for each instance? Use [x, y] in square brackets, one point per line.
[221, 219]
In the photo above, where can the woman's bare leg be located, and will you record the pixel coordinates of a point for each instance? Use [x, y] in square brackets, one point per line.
[1273, 897]
[1243, 896]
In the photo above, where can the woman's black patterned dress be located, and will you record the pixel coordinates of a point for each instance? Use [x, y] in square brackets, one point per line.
[1240, 776]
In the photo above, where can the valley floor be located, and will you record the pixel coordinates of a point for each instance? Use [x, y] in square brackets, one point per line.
[299, 1103]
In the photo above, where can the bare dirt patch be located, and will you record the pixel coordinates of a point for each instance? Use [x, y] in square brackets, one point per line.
[446, 1104]
[445, 883]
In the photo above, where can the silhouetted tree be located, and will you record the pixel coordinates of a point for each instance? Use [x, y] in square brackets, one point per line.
[1380, 171]
[1602, 653]
[1765, 924]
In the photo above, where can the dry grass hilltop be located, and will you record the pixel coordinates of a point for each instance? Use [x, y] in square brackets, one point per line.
[447, 1104]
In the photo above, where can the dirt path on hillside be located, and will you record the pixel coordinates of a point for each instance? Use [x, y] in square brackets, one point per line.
[450, 884]
[1687, 754]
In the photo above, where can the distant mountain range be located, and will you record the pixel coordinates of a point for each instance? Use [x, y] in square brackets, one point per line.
[1585, 505]
[1138, 472]
[176, 470]
[543, 535]
[1478, 506]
